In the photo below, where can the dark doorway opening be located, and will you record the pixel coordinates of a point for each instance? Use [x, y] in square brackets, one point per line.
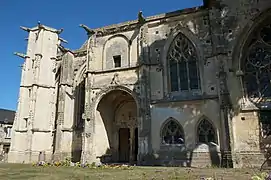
[136, 144]
[124, 145]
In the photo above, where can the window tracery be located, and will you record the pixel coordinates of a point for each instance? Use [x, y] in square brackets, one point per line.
[257, 64]
[206, 132]
[172, 133]
[183, 65]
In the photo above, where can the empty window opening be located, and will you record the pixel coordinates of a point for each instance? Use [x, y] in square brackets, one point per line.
[8, 132]
[25, 122]
[29, 93]
[33, 63]
[117, 61]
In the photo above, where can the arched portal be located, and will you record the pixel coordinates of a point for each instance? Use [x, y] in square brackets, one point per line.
[116, 127]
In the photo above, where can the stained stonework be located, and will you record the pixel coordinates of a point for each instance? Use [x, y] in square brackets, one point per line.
[111, 100]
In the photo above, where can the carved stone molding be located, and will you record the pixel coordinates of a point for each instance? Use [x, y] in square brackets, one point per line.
[40, 130]
[115, 80]
[88, 135]
[67, 129]
[108, 89]
[21, 130]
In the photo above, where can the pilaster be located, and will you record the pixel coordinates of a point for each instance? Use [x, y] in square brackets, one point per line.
[88, 154]
[144, 118]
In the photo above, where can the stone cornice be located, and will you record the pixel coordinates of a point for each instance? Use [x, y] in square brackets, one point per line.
[190, 98]
[122, 68]
[130, 25]
[39, 85]
[67, 129]
[41, 130]
[21, 130]
[80, 52]
[41, 26]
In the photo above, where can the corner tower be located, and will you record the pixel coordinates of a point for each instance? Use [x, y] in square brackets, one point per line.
[34, 121]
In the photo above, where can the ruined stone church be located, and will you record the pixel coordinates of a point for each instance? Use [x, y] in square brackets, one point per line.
[188, 88]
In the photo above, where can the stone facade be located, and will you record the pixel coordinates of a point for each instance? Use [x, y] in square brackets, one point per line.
[6, 122]
[169, 89]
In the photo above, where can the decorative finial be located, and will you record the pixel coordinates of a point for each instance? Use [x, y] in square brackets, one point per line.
[141, 19]
[89, 31]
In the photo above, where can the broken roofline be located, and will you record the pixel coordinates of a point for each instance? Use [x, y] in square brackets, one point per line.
[41, 26]
[112, 28]
[131, 25]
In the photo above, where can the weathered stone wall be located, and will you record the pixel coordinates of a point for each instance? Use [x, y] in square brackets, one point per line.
[231, 25]
[104, 48]
[188, 114]
[217, 34]
[34, 122]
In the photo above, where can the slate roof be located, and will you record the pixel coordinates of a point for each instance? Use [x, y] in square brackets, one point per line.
[7, 116]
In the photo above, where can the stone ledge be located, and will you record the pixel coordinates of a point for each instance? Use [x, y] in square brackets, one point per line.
[41, 130]
[188, 98]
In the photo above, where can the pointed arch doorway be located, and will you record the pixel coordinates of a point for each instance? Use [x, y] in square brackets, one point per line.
[116, 127]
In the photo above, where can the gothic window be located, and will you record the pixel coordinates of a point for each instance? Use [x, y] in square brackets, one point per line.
[172, 133]
[206, 132]
[183, 65]
[257, 64]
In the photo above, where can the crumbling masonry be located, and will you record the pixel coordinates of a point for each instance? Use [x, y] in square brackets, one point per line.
[188, 88]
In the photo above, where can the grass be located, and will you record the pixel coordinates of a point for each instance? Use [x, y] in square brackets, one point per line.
[24, 171]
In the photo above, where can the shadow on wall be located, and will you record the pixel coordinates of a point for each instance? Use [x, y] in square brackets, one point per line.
[151, 55]
[78, 125]
[181, 157]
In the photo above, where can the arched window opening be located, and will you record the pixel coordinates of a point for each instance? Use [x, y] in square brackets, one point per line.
[257, 63]
[206, 132]
[183, 65]
[172, 133]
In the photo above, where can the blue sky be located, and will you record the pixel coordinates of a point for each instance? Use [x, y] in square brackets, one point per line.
[65, 14]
